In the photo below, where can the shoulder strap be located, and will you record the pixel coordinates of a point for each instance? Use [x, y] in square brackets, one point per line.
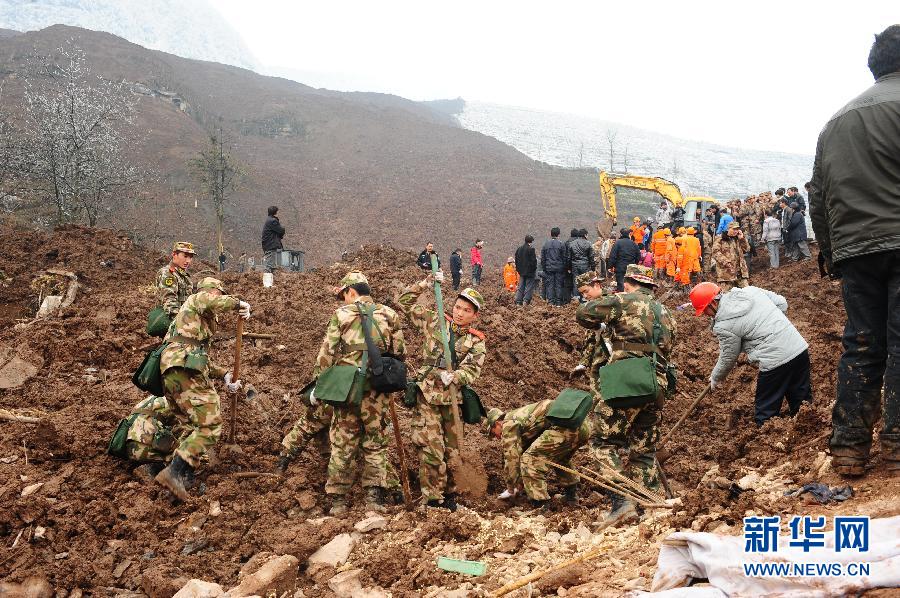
[371, 347]
[657, 326]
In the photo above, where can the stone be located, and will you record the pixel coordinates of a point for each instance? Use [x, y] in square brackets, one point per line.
[553, 537]
[371, 523]
[569, 538]
[335, 552]
[197, 588]
[29, 490]
[346, 584]
[32, 587]
[582, 531]
[49, 305]
[277, 575]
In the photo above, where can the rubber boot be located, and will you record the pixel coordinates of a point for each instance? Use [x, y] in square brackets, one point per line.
[570, 495]
[177, 477]
[890, 453]
[848, 462]
[621, 511]
[450, 503]
[147, 472]
[282, 464]
[539, 504]
[338, 505]
[375, 499]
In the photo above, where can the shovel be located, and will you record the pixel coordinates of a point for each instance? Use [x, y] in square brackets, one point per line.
[468, 479]
[235, 375]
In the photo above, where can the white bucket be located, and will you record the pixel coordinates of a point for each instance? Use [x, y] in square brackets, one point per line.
[268, 279]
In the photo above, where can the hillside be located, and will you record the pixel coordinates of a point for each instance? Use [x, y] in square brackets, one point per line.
[346, 169]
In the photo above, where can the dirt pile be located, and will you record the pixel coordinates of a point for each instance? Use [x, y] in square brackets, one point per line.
[92, 524]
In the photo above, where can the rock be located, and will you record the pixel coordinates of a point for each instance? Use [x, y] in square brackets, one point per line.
[32, 587]
[50, 304]
[277, 575]
[14, 371]
[197, 588]
[569, 538]
[346, 584]
[215, 508]
[371, 523]
[29, 490]
[335, 552]
[307, 501]
[553, 537]
[634, 584]
[582, 531]
[749, 481]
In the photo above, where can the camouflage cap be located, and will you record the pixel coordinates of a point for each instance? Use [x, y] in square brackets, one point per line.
[586, 279]
[351, 278]
[493, 416]
[211, 283]
[640, 274]
[473, 297]
[733, 224]
[184, 247]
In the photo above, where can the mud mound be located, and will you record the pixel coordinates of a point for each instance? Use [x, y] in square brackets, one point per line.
[92, 524]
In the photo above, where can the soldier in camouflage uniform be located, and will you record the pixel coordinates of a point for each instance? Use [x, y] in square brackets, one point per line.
[314, 420]
[150, 438]
[438, 386]
[358, 427]
[629, 317]
[187, 379]
[529, 441]
[173, 283]
[728, 252]
[595, 351]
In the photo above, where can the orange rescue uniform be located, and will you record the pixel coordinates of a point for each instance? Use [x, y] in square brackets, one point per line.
[510, 277]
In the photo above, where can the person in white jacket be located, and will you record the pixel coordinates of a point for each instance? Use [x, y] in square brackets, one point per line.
[771, 236]
[752, 320]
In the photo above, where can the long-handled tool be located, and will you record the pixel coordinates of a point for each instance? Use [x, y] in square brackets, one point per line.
[683, 417]
[404, 473]
[235, 375]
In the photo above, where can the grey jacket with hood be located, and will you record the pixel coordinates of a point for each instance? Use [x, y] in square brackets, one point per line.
[752, 321]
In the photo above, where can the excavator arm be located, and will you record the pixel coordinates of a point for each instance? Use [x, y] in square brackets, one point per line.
[609, 181]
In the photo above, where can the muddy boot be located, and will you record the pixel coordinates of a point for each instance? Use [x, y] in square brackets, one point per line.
[450, 503]
[890, 453]
[621, 511]
[570, 495]
[148, 471]
[177, 477]
[339, 505]
[282, 464]
[539, 504]
[375, 499]
[848, 462]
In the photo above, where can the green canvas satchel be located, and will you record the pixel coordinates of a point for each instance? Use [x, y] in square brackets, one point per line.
[148, 376]
[158, 322]
[632, 382]
[116, 446]
[338, 385]
[569, 408]
[472, 409]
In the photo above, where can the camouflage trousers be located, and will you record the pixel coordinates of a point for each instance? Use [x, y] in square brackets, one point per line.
[555, 444]
[149, 439]
[727, 285]
[359, 429]
[314, 420]
[634, 431]
[195, 405]
[433, 434]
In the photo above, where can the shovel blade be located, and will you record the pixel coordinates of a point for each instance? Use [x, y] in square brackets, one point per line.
[249, 392]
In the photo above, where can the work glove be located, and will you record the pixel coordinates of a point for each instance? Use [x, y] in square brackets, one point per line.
[578, 370]
[312, 398]
[438, 276]
[231, 386]
[713, 383]
[447, 378]
[507, 494]
[244, 310]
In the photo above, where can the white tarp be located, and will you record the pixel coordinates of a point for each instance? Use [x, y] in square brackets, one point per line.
[720, 559]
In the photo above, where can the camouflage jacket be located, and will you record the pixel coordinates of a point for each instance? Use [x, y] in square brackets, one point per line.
[345, 342]
[190, 333]
[173, 287]
[151, 413]
[469, 346]
[521, 427]
[595, 352]
[629, 319]
[728, 252]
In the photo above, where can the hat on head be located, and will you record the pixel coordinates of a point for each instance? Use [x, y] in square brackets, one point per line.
[473, 297]
[666, 231]
[732, 224]
[493, 416]
[587, 278]
[351, 278]
[184, 247]
[510, 260]
[681, 230]
[640, 274]
[211, 283]
[691, 230]
[637, 218]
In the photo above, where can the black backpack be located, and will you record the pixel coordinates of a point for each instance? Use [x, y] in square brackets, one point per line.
[387, 370]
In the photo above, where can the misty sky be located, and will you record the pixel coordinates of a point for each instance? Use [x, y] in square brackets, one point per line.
[762, 74]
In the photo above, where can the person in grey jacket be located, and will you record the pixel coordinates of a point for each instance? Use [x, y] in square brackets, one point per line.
[553, 263]
[797, 234]
[771, 236]
[854, 203]
[581, 258]
[752, 320]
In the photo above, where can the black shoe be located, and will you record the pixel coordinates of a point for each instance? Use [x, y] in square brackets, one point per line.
[148, 471]
[450, 503]
[570, 495]
[339, 505]
[178, 477]
[375, 498]
[621, 511]
[282, 464]
[539, 504]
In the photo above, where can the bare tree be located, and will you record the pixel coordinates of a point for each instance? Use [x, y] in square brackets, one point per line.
[625, 159]
[611, 140]
[78, 129]
[675, 169]
[580, 155]
[219, 174]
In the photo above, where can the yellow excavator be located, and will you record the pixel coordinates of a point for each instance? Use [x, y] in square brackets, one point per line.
[609, 181]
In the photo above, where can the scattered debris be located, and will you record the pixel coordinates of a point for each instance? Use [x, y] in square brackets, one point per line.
[335, 552]
[822, 493]
[475, 568]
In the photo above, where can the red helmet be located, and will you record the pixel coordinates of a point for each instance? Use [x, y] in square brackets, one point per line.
[703, 294]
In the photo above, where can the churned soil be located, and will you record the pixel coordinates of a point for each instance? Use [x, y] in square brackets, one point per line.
[93, 524]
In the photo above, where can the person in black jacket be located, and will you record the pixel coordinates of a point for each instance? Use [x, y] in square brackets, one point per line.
[624, 252]
[569, 292]
[456, 267]
[553, 263]
[526, 266]
[797, 234]
[424, 260]
[581, 259]
[854, 203]
[272, 233]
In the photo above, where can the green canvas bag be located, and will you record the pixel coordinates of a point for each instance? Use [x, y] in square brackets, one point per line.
[632, 382]
[340, 385]
[158, 322]
[148, 376]
[116, 446]
[472, 409]
[569, 408]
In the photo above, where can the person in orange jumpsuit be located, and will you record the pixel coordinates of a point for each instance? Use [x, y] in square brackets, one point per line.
[510, 276]
[683, 257]
[659, 252]
[696, 251]
[637, 231]
[671, 254]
